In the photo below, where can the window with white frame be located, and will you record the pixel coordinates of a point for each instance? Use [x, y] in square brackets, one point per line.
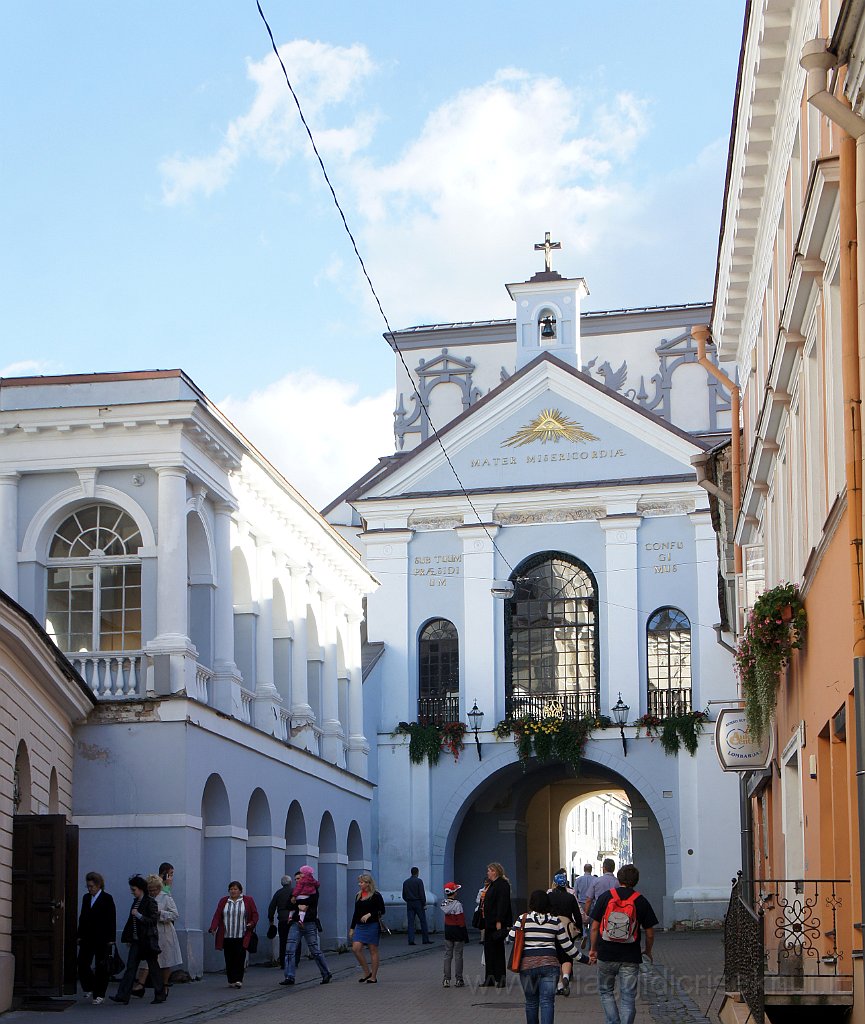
[94, 581]
[668, 651]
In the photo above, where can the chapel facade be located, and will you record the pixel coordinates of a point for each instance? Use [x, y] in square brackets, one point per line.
[545, 553]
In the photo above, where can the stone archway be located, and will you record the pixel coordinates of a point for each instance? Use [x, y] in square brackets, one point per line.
[488, 818]
[216, 862]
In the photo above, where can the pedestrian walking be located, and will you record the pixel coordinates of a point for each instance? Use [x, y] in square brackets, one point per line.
[456, 935]
[280, 907]
[543, 933]
[617, 920]
[365, 927]
[97, 930]
[140, 931]
[233, 923]
[303, 924]
[582, 888]
[601, 885]
[414, 897]
[564, 905]
[497, 919]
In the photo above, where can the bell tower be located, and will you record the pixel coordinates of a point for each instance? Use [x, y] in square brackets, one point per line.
[548, 312]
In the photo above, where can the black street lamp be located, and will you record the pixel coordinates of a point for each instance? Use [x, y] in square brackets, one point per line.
[619, 712]
[476, 716]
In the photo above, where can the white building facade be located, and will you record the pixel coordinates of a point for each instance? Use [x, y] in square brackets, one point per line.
[571, 436]
[216, 617]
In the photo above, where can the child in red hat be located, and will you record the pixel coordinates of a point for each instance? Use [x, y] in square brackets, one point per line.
[456, 935]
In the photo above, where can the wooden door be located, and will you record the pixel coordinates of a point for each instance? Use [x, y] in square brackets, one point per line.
[39, 847]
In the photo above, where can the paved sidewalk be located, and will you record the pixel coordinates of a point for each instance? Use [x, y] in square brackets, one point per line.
[410, 990]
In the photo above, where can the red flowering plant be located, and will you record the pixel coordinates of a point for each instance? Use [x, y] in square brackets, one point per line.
[452, 736]
[775, 627]
[651, 723]
[427, 741]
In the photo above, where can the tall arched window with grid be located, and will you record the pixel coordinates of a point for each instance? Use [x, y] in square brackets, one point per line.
[94, 582]
[668, 650]
[552, 641]
[438, 673]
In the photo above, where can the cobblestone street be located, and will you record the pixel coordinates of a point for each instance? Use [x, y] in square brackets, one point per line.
[686, 977]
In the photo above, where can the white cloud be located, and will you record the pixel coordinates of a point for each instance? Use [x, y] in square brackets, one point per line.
[25, 368]
[493, 168]
[318, 432]
[322, 76]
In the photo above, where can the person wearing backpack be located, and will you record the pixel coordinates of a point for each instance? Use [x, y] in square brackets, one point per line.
[618, 917]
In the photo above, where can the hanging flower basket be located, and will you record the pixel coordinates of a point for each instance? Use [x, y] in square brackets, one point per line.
[775, 627]
[426, 742]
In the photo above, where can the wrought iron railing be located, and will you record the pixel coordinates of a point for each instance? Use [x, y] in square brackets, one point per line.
[664, 703]
[438, 710]
[743, 951]
[566, 704]
[789, 938]
[807, 925]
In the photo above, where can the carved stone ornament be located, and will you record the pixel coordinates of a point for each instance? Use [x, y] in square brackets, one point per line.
[649, 509]
[554, 515]
[427, 523]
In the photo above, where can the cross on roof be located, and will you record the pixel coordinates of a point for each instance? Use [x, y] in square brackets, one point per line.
[547, 246]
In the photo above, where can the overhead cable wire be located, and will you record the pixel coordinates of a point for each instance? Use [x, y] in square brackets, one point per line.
[378, 302]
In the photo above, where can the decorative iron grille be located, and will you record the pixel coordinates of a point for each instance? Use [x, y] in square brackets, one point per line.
[806, 922]
[743, 951]
[573, 704]
[438, 710]
[664, 703]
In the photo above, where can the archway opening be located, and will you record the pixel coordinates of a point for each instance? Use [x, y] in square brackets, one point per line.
[519, 818]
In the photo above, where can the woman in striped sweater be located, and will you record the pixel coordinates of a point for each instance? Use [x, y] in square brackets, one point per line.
[539, 966]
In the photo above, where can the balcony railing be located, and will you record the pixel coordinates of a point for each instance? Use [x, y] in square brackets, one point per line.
[111, 675]
[788, 943]
[438, 710]
[664, 703]
[566, 704]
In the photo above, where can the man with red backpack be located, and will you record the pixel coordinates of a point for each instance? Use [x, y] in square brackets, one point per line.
[618, 916]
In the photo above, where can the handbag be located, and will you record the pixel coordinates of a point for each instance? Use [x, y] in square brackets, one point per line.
[515, 959]
[114, 961]
[271, 931]
[252, 945]
[478, 919]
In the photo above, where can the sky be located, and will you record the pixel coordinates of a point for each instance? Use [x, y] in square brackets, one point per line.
[161, 206]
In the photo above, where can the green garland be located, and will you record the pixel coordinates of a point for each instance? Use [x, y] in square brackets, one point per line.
[683, 730]
[551, 739]
[426, 742]
[775, 627]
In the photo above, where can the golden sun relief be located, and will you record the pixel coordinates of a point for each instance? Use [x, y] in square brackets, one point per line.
[549, 425]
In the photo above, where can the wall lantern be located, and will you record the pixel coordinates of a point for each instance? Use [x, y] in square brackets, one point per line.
[475, 717]
[619, 711]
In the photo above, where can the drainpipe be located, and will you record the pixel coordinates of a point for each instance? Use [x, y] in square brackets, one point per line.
[700, 334]
[817, 61]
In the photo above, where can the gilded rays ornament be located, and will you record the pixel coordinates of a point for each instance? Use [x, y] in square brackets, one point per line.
[550, 425]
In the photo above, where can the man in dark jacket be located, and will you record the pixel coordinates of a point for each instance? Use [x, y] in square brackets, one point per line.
[564, 905]
[414, 895]
[97, 930]
[281, 906]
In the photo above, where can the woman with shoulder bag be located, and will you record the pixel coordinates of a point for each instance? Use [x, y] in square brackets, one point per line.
[365, 928]
[497, 919]
[140, 931]
[234, 924]
[543, 934]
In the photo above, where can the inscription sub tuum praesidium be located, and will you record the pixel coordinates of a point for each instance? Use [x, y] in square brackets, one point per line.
[437, 568]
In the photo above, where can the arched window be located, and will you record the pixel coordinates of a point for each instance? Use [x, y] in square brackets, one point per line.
[551, 636]
[668, 649]
[94, 582]
[547, 327]
[438, 673]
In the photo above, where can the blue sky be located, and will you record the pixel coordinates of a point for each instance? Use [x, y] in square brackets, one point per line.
[160, 206]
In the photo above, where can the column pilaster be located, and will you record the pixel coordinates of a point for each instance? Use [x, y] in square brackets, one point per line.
[302, 717]
[9, 533]
[332, 742]
[225, 685]
[621, 660]
[172, 653]
[483, 618]
[358, 745]
[266, 696]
